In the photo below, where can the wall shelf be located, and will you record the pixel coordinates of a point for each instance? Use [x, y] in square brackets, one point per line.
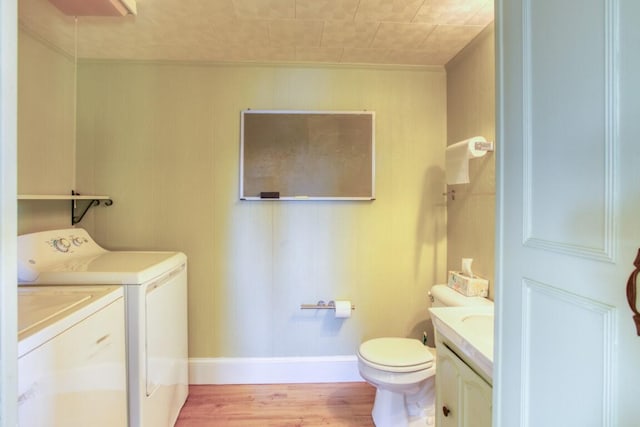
[74, 198]
[60, 197]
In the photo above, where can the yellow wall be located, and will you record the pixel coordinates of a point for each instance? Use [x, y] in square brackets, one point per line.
[46, 150]
[471, 112]
[163, 140]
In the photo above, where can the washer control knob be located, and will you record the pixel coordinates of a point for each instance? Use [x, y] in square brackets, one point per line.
[77, 241]
[61, 245]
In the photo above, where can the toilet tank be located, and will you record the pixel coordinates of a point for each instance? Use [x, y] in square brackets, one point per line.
[444, 296]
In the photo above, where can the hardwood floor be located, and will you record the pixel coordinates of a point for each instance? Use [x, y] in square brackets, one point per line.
[285, 405]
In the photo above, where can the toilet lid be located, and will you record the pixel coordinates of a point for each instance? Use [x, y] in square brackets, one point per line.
[396, 353]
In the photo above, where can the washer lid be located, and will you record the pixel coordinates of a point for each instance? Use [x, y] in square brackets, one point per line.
[110, 267]
[72, 257]
[396, 352]
[44, 312]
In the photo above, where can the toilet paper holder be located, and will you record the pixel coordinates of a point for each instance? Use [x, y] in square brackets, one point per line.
[321, 305]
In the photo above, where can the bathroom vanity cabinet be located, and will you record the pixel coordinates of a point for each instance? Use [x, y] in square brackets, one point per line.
[463, 397]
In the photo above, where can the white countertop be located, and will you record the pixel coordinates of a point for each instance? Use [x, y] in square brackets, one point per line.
[469, 330]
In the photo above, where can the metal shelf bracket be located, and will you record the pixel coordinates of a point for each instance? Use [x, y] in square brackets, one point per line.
[75, 219]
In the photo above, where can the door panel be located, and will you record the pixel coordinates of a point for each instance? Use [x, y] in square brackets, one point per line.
[569, 134]
[448, 390]
[568, 339]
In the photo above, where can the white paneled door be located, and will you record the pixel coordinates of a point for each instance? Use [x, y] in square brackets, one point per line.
[568, 352]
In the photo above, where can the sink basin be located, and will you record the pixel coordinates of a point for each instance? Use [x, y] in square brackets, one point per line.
[469, 331]
[479, 323]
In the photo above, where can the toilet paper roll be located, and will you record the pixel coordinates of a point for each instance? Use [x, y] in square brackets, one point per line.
[343, 309]
[457, 159]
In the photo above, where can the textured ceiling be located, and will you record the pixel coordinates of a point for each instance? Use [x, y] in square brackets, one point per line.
[407, 32]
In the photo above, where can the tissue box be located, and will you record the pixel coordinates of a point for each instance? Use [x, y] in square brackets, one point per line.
[468, 286]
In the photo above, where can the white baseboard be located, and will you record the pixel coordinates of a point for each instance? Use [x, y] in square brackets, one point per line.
[273, 370]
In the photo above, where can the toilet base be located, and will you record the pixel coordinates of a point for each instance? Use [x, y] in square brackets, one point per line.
[392, 409]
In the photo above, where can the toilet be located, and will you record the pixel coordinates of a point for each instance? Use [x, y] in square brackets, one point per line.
[403, 370]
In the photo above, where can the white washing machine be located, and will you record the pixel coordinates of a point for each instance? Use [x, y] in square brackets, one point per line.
[155, 298]
[71, 356]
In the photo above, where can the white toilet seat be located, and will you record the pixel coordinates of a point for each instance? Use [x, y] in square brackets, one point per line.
[396, 354]
[403, 372]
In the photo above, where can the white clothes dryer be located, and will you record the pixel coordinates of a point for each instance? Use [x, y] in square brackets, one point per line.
[155, 297]
[71, 356]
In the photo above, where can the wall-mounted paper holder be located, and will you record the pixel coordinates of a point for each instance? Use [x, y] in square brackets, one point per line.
[483, 145]
[321, 305]
[451, 193]
[458, 155]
